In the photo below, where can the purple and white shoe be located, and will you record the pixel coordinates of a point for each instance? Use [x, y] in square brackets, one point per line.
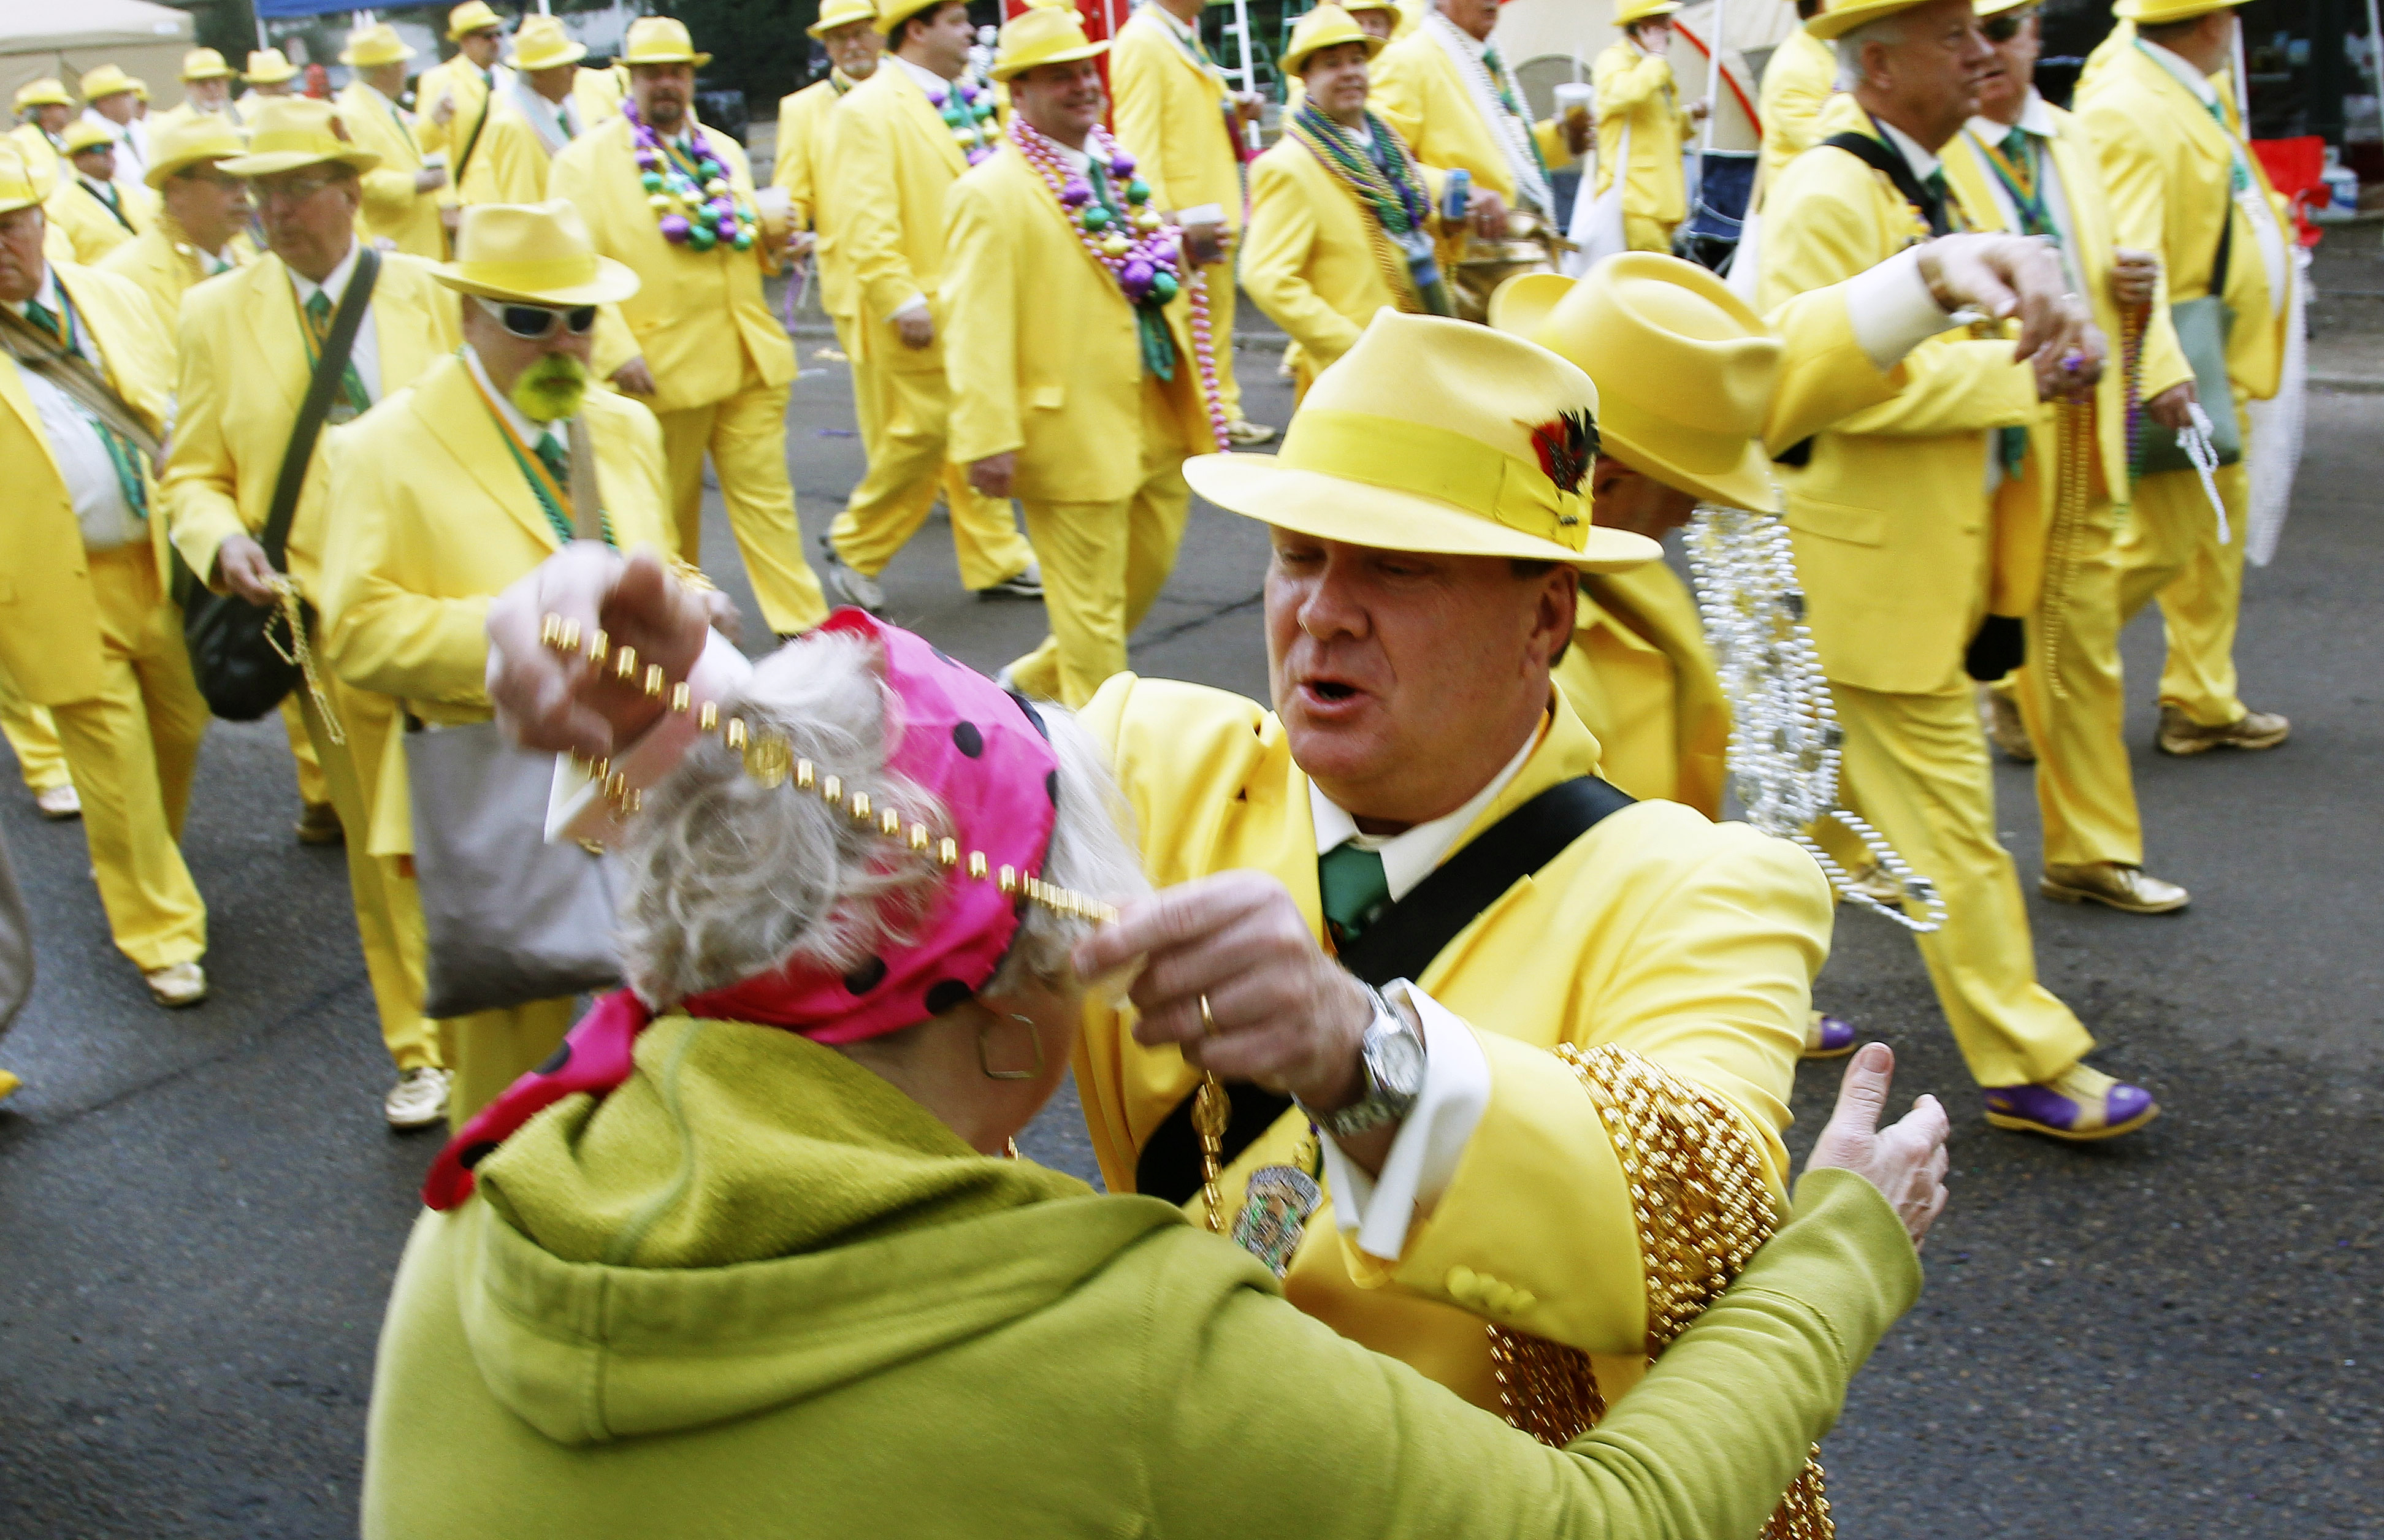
[2081, 1104]
[1827, 1036]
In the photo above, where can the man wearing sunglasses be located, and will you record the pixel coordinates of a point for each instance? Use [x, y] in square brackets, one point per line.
[458, 486]
[203, 211]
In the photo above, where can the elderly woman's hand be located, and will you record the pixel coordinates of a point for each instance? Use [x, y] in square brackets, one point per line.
[1904, 1161]
[548, 701]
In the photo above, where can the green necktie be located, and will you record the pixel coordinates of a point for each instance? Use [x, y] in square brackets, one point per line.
[2241, 175]
[318, 321]
[121, 456]
[1355, 891]
[554, 458]
[1151, 322]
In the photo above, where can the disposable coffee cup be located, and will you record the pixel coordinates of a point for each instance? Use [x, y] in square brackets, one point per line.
[1574, 97]
[773, 204]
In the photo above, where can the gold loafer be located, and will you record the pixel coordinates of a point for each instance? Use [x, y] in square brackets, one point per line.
[2115, 886]
[2180, 734]
[1999, 713]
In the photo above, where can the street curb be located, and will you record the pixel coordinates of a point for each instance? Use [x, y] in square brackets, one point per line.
[2348, 384]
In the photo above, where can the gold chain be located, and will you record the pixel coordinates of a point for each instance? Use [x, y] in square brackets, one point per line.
[1211, 1110]
[302, 653]
[2076, 447]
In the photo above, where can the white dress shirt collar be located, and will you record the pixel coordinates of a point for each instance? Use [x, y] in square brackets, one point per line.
[1409, 857]
[2187, 75]
[1924, 163]
[2035, 118]
[1173, 23]
[335, 282]
[935, 85]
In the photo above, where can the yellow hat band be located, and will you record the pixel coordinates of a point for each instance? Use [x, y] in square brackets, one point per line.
[560, 272]
[1404, 456]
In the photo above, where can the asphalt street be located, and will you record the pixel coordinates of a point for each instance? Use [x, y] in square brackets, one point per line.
[2173, 1334]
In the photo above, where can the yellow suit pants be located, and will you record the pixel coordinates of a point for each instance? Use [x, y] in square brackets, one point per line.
[34, 737]
[311, 789]
[904, 434]
[746, 436]
[132, 749]
[1221, 295]
[1916, 767]
[490, 1050]
[1643, 234]
[1104, 564]
[2170, 551]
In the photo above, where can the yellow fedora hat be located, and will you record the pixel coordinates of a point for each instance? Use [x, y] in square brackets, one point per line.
[268, 66]
[1435, 435]
[43, 93]
[106, 80]
[2160, 13]
[841, 13]
[542, 43]
[891, 14]
[205, 64]
[660, 40]
[1328, 26]
[16, 189]
[181, 143]
[1043, 34]
[1996, 7]
[286, 132]
[139, 87]
[1684, 370]
[1643, 10]
[83, 135]
[1845, 15]
[472, 15]
[370, 47]
[533, 253]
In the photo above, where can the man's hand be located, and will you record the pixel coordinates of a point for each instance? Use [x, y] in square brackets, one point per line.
[2004, 276]
[1905, 1162]
[2072, 376]
[444, 113]
[1250, 105]
[430, 179]
[2135, 279]
[2173, 408]
[799, 243]
[1700, 109]
[634, 378]
[1488, 212]
[451, 217]
[992, 475]
[916, 328]
[548, 701]
[241, 568]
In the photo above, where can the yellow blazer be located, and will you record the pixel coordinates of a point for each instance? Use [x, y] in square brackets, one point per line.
[49, 619]
[1417, 90]
[1173, 112]
[509, 165]
[1798, 80]
[1041, 349]
[1315, 259]
[2166, 164]
[44, 159]
[1690, 943]
[1637, 89]
[895, 160]
[435, 518]
[698, 318]
[808, 172]
[164, 264]
[92, 226]
[463, 78]
[242, 372]
[393, 210]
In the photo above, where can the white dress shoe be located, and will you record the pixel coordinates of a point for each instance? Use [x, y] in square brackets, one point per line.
[417, 1101]
[178, 984]
[59, 802]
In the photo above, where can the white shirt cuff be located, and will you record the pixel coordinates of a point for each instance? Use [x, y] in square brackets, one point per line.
[915, 305]
[1892, 309]
[1424, 1152]
[577, 807]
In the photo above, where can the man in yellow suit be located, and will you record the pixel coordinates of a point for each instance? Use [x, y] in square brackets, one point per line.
[267, 75]
[1172, 106]
[1077, 400]
[806, 170]
[402, 193]
[1798, 80]
[201, 219]
[98, 213]
[92, 633]
[249, 343]
[1640, 119]
[545, 102]
[110, 102]
[2185, 186]
[43, 110]
[901, 140]
[1890, 515]
[452, 99]
[714, 365]
[206, 91]
[456, 487]
[1454, 98]
[40, 760]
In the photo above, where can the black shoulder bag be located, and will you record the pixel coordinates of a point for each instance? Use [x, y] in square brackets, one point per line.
[242, 668]
[1400, 944]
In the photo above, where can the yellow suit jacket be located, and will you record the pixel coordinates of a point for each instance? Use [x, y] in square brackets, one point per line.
[242, 372]
[434, 519]
[164, 264]
[1417, 90]
[92, 226]
[698, 318]
[808, 172]
[1636, 89]
[1798, 81]
[2166, 163]
[462, 79]
[509, 165]
[49, 619]
[1172, 111]
[1890, 515]
[1689, 943]
[1041, 349]
[44, 159]
[896, 159]
[1315, 258]
[392, 209]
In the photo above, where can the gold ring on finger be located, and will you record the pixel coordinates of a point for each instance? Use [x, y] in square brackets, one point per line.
[1207, 1020]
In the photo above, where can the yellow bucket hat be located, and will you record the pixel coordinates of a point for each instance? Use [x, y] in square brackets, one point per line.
[106, 80]
[371, 46]
[533, 253]
[43, 93]
[1043, 34]
[1328, 26]
[290, 131]
[16, 189]
[1435, 435]
[1684, 370]
[542, 43]
[205, 64]
[841, 13]
[268, 66]
[1643, 10]
[182, 143]
[660, 40]
[83, 135]
[2160, 13]
[472, 15]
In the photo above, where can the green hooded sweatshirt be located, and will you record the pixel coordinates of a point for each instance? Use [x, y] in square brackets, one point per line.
[758, 1292]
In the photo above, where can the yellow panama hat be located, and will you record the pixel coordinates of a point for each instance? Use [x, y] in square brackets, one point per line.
[1685, 370]
[660, 40]
[268, 66]
[1353, 7]
[370, 47]
[1643, 10]
[891, 14]
[139, 87]
[83, 135]
[286, 132]
[533, 253]
[106, 80]
[841, 13]
[181, 143]
[1435, 435]
[205, 64]
[1328, 26]
[1043, 34]
[472, 15]
[542, 43]
[2160, 13]
[1844, 16]
[17, 190]
[43, 93]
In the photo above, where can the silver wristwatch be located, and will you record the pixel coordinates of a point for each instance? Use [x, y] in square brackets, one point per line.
[1392, 1053]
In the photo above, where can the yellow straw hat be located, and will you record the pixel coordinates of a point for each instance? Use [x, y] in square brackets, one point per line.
[1685, 370]
[106, 80]
[83, 135]
[370, 47]
[891, 14]
[181, 142]
[17, 190]
[287, 132]
[205, 64]
[140, 88]
[660, 40]
[43, 93]
[542, 43]
[1353, 7]
[841, 13]
[1845, 15]
[1328, 26]
[2160, 13]
[533, 253]
[1435, 435]
[472, 15]
[1643, 10]
[1045, 35]
[268, 66]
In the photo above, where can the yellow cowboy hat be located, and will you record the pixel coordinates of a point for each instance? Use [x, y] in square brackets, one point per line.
[205, 64]
[542, 43]
[533, 253]
[268, 66]
[841, 13]
[1435, 435]
[2160, 13]
[106, 80]
[660, 40]
[287, 132]
[1685, 370]
[472, 15]
[1631, 11]
[16, 189]
[1328, 26]
[43, 93]
[1043, 34]
[370, 47]
[83, 135]
[181, 143]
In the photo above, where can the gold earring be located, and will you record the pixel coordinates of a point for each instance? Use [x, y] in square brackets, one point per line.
[986, 1064]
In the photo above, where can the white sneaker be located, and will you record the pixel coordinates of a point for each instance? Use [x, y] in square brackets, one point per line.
[177, 984]
[59, 802]
[857, 587]
[1027, 583]
[417, 1101]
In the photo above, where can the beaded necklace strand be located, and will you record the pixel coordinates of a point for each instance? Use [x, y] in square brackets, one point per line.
[966, 107]
[1398, 232]
[696, 204]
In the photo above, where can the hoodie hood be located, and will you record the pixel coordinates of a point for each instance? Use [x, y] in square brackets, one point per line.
[748, 1221]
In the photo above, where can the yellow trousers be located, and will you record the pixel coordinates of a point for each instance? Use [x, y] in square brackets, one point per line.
[34, 737]
[1643, 234]
[311, 789]
[746, 437]
[2170, 551]
[1916, 766]
[1221, 293]
[1104, 564]
[903, 433]
[490, 1050]
[132, 749]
